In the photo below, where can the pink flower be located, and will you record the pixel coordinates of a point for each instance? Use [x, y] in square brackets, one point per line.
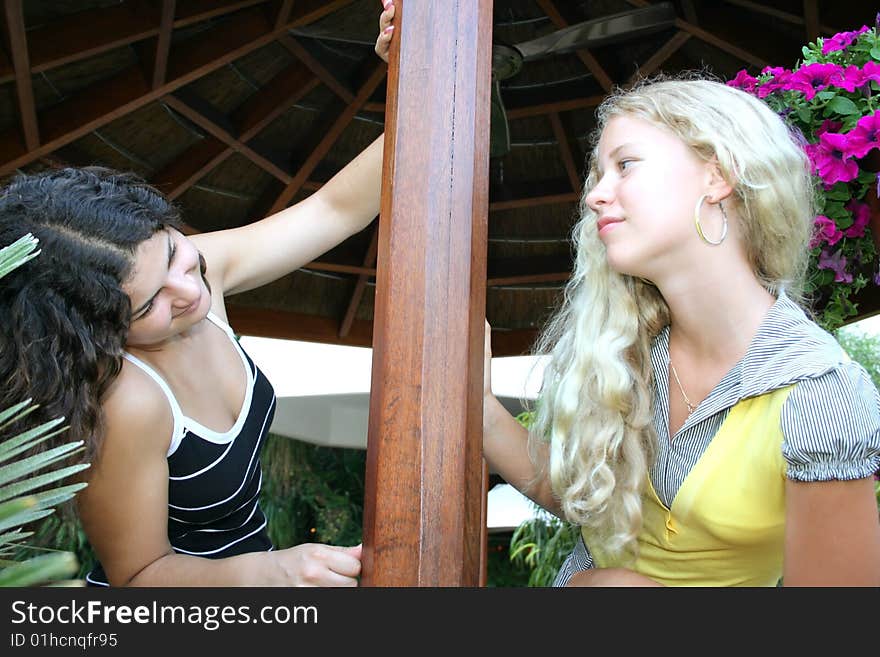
[837, 263]
[825, 230]
[842, 40]
[861, 213]
[865, 136]
[779, 80]
[832, 159]
[828, 126]
[814, 77]
[744, 81]
[853, 77]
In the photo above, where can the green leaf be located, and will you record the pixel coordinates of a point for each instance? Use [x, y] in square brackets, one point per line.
[24, 518]
[38, 570]
[26, 466]
[17, 253]
[804, 114]
[875, 53]
[29, 439]
[33, 483]
[842, 105]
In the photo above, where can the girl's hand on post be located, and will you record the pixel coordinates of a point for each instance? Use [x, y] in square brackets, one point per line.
[386, 30]
[316, 564]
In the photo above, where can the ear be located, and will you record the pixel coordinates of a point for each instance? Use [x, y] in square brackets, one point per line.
[716, 187]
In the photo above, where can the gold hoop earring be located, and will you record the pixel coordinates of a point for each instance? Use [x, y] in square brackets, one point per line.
[700, 227]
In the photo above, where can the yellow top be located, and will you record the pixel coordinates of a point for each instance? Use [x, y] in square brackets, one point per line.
[726, 525]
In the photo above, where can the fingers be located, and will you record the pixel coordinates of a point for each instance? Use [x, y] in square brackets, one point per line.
[386, 15]
[386, 30]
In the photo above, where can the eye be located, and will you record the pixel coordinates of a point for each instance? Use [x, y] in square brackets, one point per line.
[146, 311]
[623, 164]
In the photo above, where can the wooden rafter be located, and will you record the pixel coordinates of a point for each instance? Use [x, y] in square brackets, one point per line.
[98, 30]
[534, 201]
[710, 38]
[316, 67]
[360, 285]
[658, 58]
[567, 150]
[285, 325]
[283, 91]
[218, 131]
[794, 19]
[128, 91]
[330, 137]
[21, 64]
[602, 77]
[514, 113]
[163, 43]
[811, 19]
[283, 14]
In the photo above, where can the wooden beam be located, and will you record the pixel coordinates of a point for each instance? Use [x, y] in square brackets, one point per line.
[18, 44]
[189, 167]
[197, 11]
[710, 38]
[163, 43]
[514, 113]
[424, 465]
[529, 278]
[566, 152]
[281, 93]
[317, 68]
[126, 92]
[283, 14]
[359, 286]
[533, 201]
[604, 80]
[794, 19]
[308, 11]
[329, 138]
[811, 19]
[283, 325]
[199, 117]
[259, 110]
[659, 57]
[689, 11]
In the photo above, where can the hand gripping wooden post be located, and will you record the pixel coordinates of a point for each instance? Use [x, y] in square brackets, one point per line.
[424, 473]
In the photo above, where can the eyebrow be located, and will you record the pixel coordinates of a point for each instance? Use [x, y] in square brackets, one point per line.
[612, 154]
[137, 312]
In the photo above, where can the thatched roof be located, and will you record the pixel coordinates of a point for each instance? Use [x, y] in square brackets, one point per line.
[234, 108]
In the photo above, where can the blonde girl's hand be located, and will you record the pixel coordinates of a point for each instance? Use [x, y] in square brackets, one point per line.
[386, 30]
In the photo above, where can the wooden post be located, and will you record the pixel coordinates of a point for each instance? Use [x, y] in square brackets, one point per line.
[422, 510]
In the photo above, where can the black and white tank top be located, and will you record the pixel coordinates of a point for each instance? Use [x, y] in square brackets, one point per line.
[214, 478]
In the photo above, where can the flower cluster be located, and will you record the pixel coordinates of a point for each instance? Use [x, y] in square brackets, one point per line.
[832, 98]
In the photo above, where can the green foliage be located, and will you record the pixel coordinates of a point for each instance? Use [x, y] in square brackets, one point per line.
[862, 348]
[24, 498]
[542, 543]
[312, 494]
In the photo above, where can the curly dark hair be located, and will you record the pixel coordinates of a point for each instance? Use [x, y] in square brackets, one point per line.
[65, 315]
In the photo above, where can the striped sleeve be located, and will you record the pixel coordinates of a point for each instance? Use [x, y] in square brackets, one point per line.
[831, 426]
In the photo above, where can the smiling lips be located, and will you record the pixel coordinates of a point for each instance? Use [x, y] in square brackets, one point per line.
[607, 221]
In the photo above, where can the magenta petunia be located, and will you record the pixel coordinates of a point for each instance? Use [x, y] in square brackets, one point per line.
[836, 262]
[865, 136]
[825, 230]
[744, 81]
[828, 126]
[778, 80]
[814, 77]
[831, 158]
[861, 213]
[842, 40]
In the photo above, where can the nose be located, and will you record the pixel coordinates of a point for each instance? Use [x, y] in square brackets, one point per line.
[600, 195]
[184, 287]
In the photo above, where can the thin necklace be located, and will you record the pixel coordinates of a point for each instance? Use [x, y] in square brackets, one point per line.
[691, 407]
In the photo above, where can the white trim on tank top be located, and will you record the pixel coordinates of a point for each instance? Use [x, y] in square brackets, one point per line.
[183, 423]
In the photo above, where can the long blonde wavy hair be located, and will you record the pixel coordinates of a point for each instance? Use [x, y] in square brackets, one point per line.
[596, 401]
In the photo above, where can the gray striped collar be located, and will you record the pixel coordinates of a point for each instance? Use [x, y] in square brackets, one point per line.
[788, 347]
